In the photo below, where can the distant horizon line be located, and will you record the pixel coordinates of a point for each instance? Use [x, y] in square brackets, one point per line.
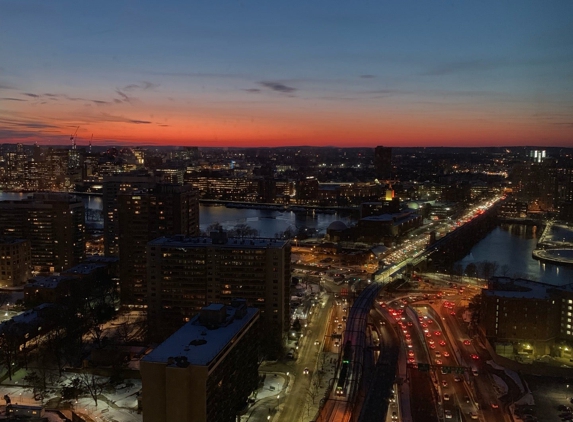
[117, 145]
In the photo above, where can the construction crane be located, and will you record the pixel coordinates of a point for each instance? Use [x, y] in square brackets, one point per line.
[73, 138]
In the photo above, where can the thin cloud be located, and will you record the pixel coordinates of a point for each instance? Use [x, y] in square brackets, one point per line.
[144, 85]
[120, 119]
[367, 76]
[253, 90]
[29, 94]
[13, 99]
[26, 124]
[124, 97]
[278, 87]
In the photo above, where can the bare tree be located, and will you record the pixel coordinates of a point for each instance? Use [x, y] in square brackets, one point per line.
[93, 384]
[12, 336]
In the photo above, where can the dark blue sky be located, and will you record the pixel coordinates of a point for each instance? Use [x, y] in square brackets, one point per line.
[225, 72]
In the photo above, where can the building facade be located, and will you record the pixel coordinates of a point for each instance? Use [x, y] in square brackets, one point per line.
[144, 215]
[529, 316]
[186, 273]
[54, 223]
[113, 186]
[15, 261]
[206, 370]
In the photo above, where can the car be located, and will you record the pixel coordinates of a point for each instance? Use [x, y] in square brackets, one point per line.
[446, 354]
[437, 333]
[453, 313]
[305, 372]
[494, 406]
[344, 318]
[467, 399]
[410, 353]
[444, 383]
[458, 379]
[446, 397]
[442, 343]
[438, 354]
[411, 360]
[474, 356]
[428, 335]
[438, 361]
[317, 343]
[409, 323]
[339, 326]
[425, 325]
[336, 344]
[448, 414]
[336, 319]
[473, 415]
[467, 342]
[394, 416]
[430, 341]
[563, 408]
[432, 346]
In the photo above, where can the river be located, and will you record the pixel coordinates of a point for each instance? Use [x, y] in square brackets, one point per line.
[267, 222]
[511, 245]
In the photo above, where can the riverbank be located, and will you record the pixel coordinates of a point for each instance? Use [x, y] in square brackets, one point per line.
[555, 245]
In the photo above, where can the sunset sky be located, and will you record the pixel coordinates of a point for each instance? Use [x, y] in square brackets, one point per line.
[297, 72]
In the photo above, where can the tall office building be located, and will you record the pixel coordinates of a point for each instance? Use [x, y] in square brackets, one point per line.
[54, 223]
[383, 162]
[144, 215]
[113, 186]
[206, 370]
[186, 273]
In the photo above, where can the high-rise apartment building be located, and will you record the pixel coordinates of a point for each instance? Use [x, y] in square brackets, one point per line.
[54, 223]
[144, 215]
[383, 162]
[206, 370]
[15, 262]
[186, 273]
[113, 186]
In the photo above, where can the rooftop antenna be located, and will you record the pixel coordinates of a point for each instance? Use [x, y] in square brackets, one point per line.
[73, 138]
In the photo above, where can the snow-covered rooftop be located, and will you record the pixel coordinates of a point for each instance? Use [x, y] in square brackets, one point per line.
[199, 344]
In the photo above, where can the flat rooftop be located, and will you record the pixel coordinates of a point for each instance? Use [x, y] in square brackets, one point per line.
[197, 343]
[180, 241]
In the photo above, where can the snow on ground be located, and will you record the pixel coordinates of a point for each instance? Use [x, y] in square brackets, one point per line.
[117, 406]
[502, 387]
[526, 400]
[495, 365]
[274, 384]
[515, 377]
[512, 374]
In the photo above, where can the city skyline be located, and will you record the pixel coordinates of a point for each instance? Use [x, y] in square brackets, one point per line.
[260, 74]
